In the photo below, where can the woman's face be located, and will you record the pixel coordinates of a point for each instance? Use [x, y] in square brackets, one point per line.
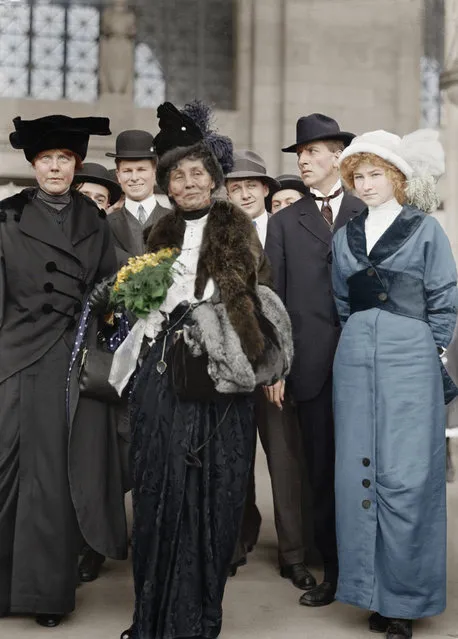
[191, 185]
[54, 171]
[372, 184]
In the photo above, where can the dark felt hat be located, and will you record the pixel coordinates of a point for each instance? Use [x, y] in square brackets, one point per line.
[176, 129]
[134, 144]
[98, 174]
[315, 127]
[56, 132]
[287, 181]
[248, 164]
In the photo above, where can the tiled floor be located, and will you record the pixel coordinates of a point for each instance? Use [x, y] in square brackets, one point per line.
[258, 603]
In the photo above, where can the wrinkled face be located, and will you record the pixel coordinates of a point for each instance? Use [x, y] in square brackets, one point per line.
[54, 171]
[248, 194]
[137, 178]
[96, 192]
[318, 165]
[372, 184]
[285, 197]
[191, 185]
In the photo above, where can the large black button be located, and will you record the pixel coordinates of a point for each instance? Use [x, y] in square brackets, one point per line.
[370, 272]
[51, 267]
[382, 297]
[366, 504]
[48, 287]
[366, 483]
[47, 309]
[366, 462]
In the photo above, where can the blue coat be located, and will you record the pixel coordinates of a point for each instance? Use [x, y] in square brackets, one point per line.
[396, 305]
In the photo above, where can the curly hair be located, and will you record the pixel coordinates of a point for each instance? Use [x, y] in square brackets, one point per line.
[349, 165]
[199, 151]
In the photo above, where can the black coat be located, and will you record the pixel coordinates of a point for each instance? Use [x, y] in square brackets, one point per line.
[299, 248]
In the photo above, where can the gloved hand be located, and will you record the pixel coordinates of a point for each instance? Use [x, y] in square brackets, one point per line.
[99, 297]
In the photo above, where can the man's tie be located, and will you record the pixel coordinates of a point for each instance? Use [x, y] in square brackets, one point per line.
[326, 210]
[142, 216]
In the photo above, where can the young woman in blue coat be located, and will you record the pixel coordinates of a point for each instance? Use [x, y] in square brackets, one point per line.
[394, 281]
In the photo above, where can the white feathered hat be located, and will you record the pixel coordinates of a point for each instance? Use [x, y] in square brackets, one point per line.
[418, 155]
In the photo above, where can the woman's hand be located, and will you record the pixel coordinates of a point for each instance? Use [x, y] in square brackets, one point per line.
[99, 297]
[276, 393]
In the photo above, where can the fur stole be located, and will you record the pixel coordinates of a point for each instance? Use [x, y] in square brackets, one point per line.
[232, 256]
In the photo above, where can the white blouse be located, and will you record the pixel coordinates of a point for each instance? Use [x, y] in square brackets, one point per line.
[379, 219]
[184, 278]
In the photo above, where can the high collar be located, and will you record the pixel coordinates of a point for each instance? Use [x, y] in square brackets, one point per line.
[390, 208]
[148, 204]
[335, 188]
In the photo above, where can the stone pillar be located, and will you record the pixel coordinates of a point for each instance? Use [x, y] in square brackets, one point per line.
[449, 84]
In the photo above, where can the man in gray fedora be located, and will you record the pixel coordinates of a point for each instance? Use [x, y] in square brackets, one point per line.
[248, 185]
[136, 162]
[298, 245]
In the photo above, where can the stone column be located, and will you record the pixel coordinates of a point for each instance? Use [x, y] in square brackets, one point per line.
[449, 84]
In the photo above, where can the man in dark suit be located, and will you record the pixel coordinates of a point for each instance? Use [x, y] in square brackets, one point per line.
[248, 185]
[94, 181]
[299, 247]
[136, 173]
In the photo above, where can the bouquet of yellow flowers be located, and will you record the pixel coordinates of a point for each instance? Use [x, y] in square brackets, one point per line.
[142, 284]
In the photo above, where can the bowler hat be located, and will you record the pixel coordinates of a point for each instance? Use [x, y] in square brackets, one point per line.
[56, 132]
[248, 164]
[134, 145]
[98, 174]
[287, 181]
[317, 126]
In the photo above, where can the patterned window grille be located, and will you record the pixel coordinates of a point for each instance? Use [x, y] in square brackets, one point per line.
[49, 51]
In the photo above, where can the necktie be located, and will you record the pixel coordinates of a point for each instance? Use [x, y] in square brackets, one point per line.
[326, 210]
[254, 224]
[142, 216]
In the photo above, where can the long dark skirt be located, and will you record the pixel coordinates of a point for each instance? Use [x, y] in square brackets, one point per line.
[186, 515]
[39, 533]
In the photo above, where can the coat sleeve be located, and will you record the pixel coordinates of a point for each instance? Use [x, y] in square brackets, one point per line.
[2, 281]
[440, 286]
[109, 260]
[339, 284]
[275, 251]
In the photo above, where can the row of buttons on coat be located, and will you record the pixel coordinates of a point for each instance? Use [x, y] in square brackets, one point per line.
[366, 483]
[381, 296]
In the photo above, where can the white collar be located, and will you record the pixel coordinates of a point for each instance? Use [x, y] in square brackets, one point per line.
[392, 207]
[261, 218]
[335, 188]
[148, 204]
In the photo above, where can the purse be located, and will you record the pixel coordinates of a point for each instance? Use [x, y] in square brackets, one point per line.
[95, 367]
[189, 374]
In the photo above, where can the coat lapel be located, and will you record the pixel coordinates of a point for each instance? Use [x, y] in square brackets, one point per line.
[396, 235]
[85, 220]
[351, 207]
[123, 232]
[312, 220]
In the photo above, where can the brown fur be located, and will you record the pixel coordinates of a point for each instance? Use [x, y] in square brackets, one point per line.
[232, 255]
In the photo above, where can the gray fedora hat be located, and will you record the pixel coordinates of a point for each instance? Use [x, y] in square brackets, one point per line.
[248, 164]
[134, 144]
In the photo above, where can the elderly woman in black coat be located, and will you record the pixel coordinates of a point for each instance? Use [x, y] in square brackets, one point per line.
[54, 246]
[193, 432]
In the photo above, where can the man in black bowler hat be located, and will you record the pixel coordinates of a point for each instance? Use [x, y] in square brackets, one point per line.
[136, 162]
[60, 472]
[95, 181]
[299, 247]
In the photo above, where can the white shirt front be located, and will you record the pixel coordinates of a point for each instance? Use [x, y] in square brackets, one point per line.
[149, 205]
[182, 289]
[260, 223]
[334, 203]
[378, 220]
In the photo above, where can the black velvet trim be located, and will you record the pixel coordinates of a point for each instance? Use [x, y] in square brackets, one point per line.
[396, 235]
[194, 215]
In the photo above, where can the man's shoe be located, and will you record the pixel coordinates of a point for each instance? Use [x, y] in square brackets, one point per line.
[377, 623]
[399, 629]
[300, 576]
[49, 621]
[235, 566]
[322, 595]
[90, 565]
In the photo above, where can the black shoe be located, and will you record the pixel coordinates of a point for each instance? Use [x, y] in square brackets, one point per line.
[235, 566]
[399, 629]
[322, 595]
[49, 621]
[90, 565]
[300, 576]
[126, 634]
[377, 623]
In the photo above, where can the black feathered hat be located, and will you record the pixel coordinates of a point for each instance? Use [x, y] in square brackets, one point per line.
[98, 174]
[56, 132]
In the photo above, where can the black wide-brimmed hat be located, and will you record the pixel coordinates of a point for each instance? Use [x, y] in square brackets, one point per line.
[315, 127]
[287, 181]
[98, 174]
[134, 144]
[248, 164]
[56, 132]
